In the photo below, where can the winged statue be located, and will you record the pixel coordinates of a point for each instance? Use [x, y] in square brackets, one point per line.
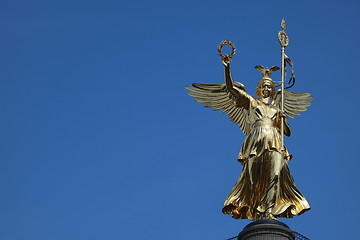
[265, 188]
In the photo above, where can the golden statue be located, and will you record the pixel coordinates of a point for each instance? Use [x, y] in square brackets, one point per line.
[265, 188]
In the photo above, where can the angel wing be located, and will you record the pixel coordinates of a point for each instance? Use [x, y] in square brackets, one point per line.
[294, 103]
[218, 97]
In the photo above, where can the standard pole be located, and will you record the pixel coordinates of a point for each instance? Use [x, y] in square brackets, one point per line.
[284, 42]
[282, 96]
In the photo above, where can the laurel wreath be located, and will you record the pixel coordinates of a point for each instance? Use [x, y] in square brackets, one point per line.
[223, 43]
[283, 38]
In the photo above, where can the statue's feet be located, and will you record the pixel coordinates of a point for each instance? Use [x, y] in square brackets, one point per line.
[270, 216]
[258, 216]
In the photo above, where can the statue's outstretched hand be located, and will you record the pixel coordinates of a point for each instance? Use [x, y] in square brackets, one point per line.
[225, 60]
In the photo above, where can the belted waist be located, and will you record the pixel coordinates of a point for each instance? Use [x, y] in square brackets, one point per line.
[264, 122]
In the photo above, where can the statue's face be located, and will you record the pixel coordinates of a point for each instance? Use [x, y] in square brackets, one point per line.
[266, 89]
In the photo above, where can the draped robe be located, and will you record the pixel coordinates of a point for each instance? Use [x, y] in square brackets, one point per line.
[265, 185]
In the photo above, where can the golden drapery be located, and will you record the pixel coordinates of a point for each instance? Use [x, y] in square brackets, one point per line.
[265, 186]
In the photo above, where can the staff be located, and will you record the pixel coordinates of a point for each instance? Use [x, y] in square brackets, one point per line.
[284, 42]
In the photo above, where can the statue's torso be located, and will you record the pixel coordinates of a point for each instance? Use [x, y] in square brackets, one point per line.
[262, 114]
[264, 133]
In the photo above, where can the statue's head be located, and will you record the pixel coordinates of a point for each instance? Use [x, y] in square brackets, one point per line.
[265, 88]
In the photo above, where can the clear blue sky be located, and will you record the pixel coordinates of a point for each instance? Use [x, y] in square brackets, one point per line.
[99, 139]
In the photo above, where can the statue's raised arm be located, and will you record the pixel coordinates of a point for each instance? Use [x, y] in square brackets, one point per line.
[242, 99]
